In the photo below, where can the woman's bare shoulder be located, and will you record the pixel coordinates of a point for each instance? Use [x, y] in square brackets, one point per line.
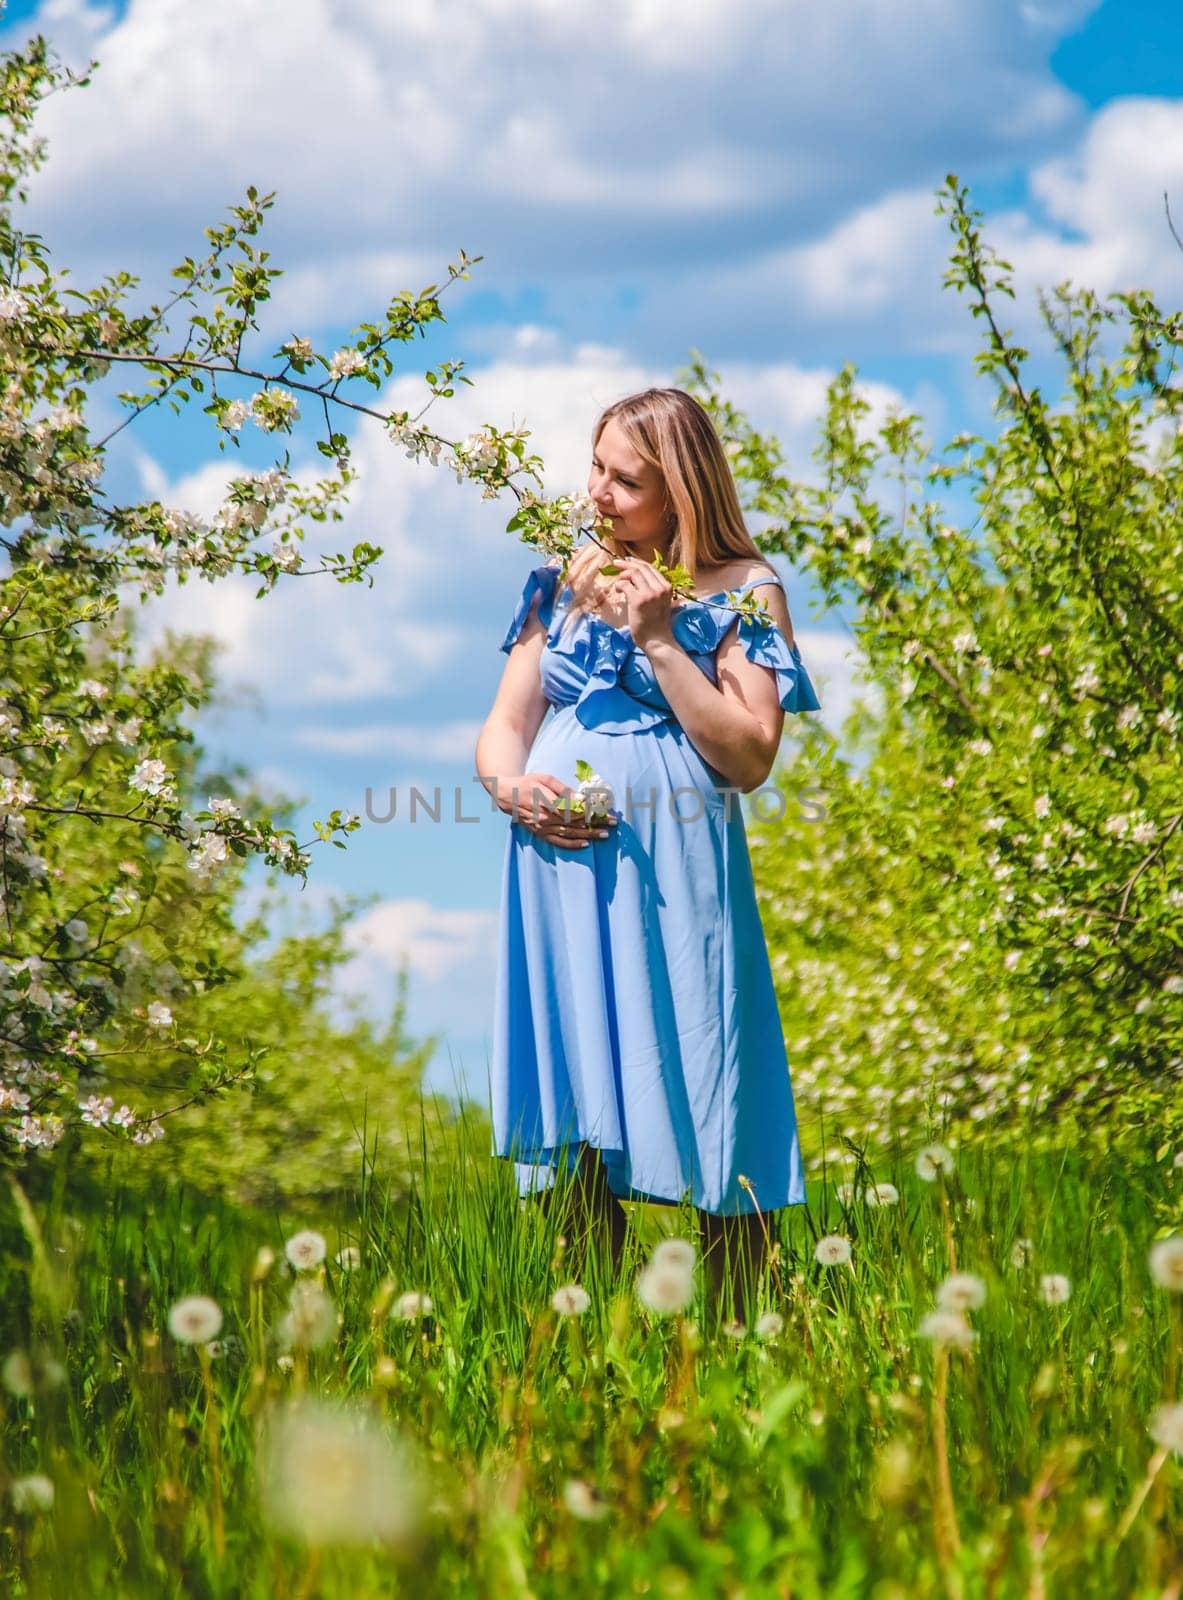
[732, 575]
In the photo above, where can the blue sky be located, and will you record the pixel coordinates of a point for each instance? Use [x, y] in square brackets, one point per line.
[752, 178]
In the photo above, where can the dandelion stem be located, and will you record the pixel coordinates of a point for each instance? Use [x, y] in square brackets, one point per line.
[311, 1574]
[215, 1452]
[1152, 1471]
[948, 1540]
[948, 1221]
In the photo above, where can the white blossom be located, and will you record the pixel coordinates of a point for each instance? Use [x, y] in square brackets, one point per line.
[150, 777]
[346, 362]
[235, 415]
[13, 305]
[96, 1112]
[272, 408]
[213, 851]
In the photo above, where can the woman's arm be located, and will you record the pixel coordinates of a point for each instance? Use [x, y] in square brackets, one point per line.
[517, 711]
[736, 726]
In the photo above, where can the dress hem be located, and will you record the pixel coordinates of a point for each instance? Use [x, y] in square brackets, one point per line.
[545, 1161]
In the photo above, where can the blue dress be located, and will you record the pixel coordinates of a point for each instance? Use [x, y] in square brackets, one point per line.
[634, 1007]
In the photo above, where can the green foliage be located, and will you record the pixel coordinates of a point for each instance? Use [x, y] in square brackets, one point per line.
[986, 929]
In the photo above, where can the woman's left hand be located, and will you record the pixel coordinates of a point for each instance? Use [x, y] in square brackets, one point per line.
[648, 597]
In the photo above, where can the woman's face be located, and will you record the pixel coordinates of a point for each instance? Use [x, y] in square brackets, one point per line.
[628, 490]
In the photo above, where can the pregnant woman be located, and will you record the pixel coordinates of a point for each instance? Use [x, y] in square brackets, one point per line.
[636, 1037]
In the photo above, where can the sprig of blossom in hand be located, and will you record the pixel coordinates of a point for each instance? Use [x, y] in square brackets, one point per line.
[592, 798]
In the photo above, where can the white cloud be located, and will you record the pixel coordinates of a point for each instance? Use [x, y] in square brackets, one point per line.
[835, 665]
[1109, 193]
[1057, 16]
[1097, 218]
[652, 131]
[433, 941]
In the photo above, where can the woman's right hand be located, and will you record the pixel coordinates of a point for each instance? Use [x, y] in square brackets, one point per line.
[529, 798]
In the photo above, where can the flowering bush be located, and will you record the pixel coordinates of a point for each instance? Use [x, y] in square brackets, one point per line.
[118, 867]
[987, 928]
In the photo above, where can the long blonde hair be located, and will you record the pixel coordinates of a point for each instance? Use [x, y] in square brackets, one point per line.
[673, 432]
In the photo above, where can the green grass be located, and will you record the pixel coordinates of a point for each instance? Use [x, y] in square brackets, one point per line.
[803, 1464]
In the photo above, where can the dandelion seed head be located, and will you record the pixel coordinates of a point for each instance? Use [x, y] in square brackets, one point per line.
[832, 1250]
[571, 1300]
[1166, 1262]
[665, 1287]
[1166, 1427]
[678, 1253]
[770, 1326]
[411, 1306]
[947, 1328]
[348, 1258]
[306, 1249]
[332, 1475]
[311, 1319]
[882, 1194]
[17, 1373]
[32, 1493]
[582, 1501]
[1055, 1288]
[1021, 1252]
[932, 1159]
[52, 1373]
[195, 1320]
[961, 1291]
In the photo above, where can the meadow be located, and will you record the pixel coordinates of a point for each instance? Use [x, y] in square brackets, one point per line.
[953, 1385]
